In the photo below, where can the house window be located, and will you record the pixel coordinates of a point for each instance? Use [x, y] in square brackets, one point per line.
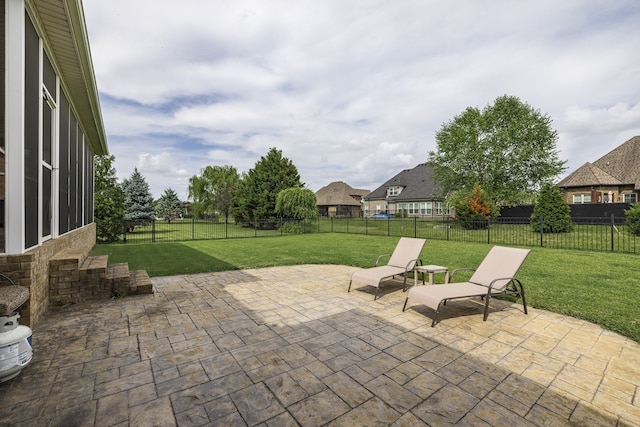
[393, 191]
[428, 208]
[581, 198]
[439, 208]
[630, 198]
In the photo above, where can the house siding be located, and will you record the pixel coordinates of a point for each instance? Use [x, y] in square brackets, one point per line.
[49, 134]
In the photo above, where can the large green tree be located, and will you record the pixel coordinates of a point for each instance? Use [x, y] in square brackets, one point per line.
[109, 200]
[259, 187]
[212, 189]
[138, 202]
[168, 205]
[508, 148]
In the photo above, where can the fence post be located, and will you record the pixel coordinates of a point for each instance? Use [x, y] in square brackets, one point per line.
[541, 230]
[447, 223]
[613, 228]
[153, 231]
[366, 225]
[488, 231]
[124, 230]
[193, 227]
[415, 226]
[388, 227]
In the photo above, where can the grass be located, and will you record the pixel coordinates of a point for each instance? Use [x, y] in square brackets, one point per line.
[600, 287]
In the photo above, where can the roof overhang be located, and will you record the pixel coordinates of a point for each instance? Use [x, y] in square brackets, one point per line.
[65, 38]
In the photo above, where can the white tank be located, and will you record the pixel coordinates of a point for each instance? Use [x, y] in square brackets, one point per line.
[15, 351]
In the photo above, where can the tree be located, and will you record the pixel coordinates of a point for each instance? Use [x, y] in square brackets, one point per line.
[212, 190]
[108, 200]
[258, 188]
[168, 205]
[475, 208]
[138, 202]
[508, 148]
[297, 203]
[551, 211]
[633, 219]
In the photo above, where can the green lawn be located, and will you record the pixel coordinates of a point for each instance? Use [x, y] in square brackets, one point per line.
[596, 286]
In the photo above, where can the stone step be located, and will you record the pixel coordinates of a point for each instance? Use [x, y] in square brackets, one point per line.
[95, 266]
[140, 283]
[119, 278]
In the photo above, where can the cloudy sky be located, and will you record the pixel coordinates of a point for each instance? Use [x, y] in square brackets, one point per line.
[351, 91]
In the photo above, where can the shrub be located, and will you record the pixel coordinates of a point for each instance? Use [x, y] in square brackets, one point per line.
[551, 212]
[475, 209]
[633, 219]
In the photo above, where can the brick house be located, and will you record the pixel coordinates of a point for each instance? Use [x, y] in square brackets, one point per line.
[50, 129]
[338, 199]
[412, 190]
[613, 178]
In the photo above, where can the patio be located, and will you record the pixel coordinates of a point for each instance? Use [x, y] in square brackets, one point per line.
[288, 346]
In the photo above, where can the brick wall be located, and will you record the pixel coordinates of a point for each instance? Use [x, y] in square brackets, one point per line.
[31, 269]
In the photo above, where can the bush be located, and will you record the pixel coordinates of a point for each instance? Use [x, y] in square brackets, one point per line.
[551, 212]
[474, 210]
[633, 219]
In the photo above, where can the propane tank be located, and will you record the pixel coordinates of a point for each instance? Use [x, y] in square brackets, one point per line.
[15, 351]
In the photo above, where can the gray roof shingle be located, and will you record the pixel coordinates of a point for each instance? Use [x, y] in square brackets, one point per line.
[416, 183]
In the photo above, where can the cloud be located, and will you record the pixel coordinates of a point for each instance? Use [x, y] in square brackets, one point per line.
[351, 93]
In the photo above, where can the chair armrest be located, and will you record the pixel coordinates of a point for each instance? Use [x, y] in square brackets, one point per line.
[380, 257]
[500, 279]
[453, 272]
[412, 264]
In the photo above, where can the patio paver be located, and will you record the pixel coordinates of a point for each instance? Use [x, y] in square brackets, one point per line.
[289, 346]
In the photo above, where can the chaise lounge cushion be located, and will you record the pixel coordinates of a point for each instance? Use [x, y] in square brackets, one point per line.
[12, 296]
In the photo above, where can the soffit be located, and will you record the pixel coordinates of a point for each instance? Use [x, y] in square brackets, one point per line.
[65, 36]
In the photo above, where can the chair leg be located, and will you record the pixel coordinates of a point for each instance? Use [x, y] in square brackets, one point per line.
[486, 308]
[404, 307]
[376, 295]
[435, 315]
[524, 301]
[349, 288]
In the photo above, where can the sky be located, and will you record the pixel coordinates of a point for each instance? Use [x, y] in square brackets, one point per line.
[351, 91]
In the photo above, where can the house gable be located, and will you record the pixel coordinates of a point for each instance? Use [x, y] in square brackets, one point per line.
[615, 177]
[414, 184]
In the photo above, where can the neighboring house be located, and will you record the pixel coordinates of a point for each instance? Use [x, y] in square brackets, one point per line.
[50, 129]
[338, 199]
[412, 191]
[613, 178]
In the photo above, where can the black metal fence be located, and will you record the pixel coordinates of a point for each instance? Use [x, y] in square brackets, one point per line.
[597, 234]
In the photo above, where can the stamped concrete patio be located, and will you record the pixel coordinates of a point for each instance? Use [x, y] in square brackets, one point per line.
[288, 346]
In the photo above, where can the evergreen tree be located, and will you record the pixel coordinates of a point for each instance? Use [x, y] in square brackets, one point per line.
[633, 219]
[259, 187]
[138, 202]
[551, 211]
[168, 205]
[109, 200]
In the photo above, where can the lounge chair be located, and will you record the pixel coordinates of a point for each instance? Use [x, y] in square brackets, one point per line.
[494, 276]
[401, 262]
